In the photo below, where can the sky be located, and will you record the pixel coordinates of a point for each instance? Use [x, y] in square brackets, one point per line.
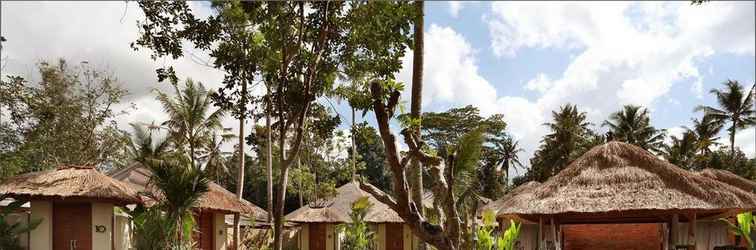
[521, 59]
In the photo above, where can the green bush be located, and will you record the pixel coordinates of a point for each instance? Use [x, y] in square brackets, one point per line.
[357, 235]
[9, 232]
[488, 240]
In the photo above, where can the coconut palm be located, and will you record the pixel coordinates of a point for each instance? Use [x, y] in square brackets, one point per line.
[706, 131]
[215, 159]
[735, 108]
[568, 131]
[682, 150]
[144, 146]
[506, 150]
[192, 122]
[179, 187]
[632, 124]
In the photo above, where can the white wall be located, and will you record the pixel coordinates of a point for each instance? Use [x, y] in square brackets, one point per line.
[380, 235]
[408, 237]
[42, 235]
[709, 234]
[102, 216]
[122, 232]
[304, 237]
[219, 229]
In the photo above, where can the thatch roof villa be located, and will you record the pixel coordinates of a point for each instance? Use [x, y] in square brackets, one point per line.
[319, 222]
[629, 190]
[75, 204]
[210, 213]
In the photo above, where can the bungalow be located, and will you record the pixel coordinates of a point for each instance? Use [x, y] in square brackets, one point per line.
[320, 220]
[619, 196]
[75, 205]
[210, 213]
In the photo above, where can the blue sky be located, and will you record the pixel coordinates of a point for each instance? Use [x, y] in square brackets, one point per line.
[522, 59]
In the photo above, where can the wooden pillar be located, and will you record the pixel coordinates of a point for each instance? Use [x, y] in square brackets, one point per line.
[541, 234]
[692, 229]
[554, 236]
[674, 230]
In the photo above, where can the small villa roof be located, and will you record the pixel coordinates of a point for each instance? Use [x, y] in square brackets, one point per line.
[69, 182]
[337, 209]
[729, 178]
[619, 181]
[497, 204]
[217, 198]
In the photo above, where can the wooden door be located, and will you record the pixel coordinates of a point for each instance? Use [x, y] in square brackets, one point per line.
[318, 236]
[72, 226]
[394, 236]
[206, 232]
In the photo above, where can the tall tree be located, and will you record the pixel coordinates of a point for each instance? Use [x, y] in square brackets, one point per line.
[569, 136]
[416, 175]
[682, 150]
[632, 124]
[296, 53]
[371, 153]
[385, 96]
[735, 108]
[706, 131]
[73, 103]
[192, 121]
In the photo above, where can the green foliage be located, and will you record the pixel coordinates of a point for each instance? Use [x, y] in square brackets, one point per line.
[371, 155]
[569, 137]
[9, 232]
[735, 107]
[488, 240]
[178, 187]
[357, 235]
[75, 104]
[632, 124]
[509, 238]
[746, 221]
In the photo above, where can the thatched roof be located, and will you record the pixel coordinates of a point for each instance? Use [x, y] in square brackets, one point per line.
[217, 198]
[729, 178]
[69, 182]
[618, 180]
[497, 204]
[337, 209]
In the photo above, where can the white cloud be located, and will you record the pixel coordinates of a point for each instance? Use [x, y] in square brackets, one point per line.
[455, 7]
[744, 140]
[541, 83]
[100, 33]
[628, 53]
[450, 73]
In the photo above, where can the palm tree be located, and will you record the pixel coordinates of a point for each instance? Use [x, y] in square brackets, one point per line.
[568, 132]
[179, 186]
[506, 150]
[706, 131]
[632, 124]
[215, 159]
[682, 151]
[191, 121]
[416, 173]
[735, 107]
[144, 146]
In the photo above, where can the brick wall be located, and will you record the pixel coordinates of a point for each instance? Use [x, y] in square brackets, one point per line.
[612, 236]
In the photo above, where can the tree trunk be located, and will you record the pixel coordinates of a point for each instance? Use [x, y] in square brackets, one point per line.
[732, 139]
[354, 149]
[240, 171]
[278, 212]
[416, 172]
[269, 162]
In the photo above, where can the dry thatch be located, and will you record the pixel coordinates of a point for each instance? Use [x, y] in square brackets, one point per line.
[337, 209]
[67, 182]
[497, 204]
[729, 178]
[622, 180]
[217, 198]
